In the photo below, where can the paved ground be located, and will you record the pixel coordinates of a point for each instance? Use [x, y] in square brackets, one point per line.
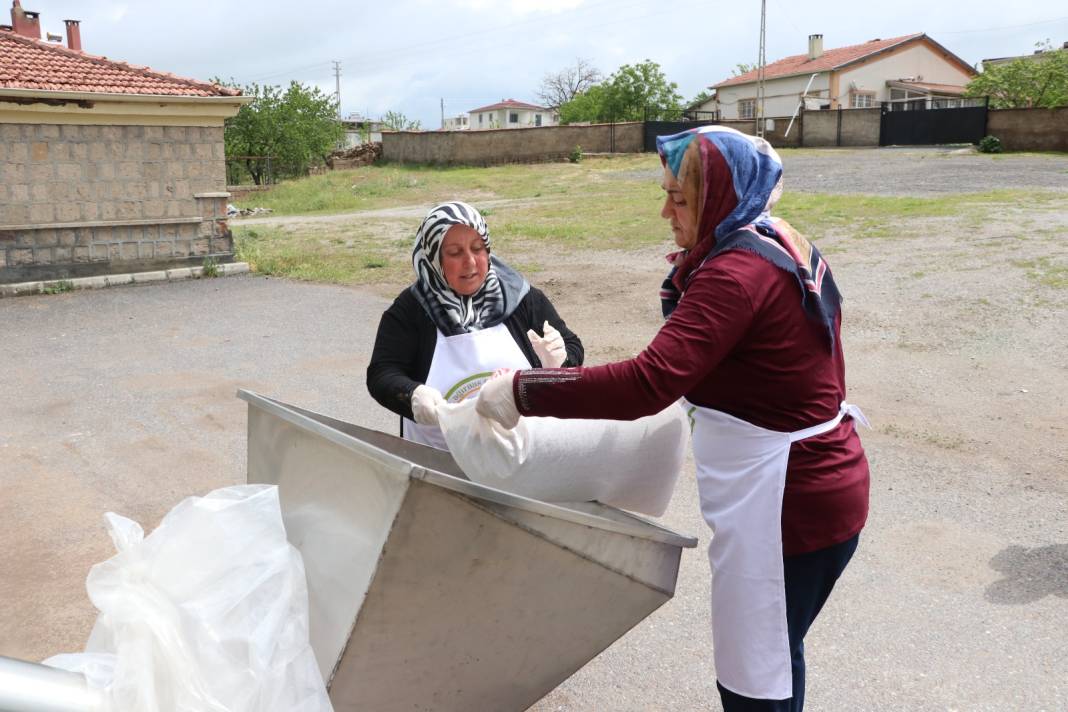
[122, 400]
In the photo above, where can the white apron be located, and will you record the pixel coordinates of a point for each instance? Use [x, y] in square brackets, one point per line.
[741, 473]
[460, 366]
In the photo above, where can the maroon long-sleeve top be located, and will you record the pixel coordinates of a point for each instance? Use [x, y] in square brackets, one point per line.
[738, 342]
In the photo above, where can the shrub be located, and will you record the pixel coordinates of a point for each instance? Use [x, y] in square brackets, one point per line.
[990, 144]
[576, 154]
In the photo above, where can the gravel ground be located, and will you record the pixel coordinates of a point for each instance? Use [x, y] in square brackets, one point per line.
[914, 171]
[957, 597]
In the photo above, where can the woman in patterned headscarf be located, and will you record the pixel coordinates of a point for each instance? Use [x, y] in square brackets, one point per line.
[466, 315]
[751, 343]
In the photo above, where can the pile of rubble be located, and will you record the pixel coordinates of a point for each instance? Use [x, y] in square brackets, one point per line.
[232, 211]
[363, 155]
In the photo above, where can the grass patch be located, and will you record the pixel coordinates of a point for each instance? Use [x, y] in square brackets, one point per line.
[1045, 271]
[391, 185]
[59, 287]
[881, 216]
[597, 204]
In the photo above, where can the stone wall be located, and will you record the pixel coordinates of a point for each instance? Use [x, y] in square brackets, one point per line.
[526, 145]
[78, 200]
[1030, 129]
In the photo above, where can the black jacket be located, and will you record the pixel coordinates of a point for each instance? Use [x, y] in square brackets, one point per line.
[406, 339]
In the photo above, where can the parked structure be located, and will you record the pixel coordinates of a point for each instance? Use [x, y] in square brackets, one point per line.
[105, 166]
[511, 114]
[460, 122]
[360, 129]
[906, 71]
[1037, 54]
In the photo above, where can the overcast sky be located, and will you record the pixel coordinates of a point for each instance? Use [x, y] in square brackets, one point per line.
[408, 55]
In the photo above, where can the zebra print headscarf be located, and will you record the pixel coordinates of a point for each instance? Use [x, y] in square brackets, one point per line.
[453, 313]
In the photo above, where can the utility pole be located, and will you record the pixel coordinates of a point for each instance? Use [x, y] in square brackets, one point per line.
[443, 112]
[761, 61]
[337, 85]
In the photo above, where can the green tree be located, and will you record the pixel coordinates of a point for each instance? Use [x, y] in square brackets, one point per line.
[632, 93]
[396, 121]
[1040, 80]
[702, 96]
[742, 68]
[296, 127]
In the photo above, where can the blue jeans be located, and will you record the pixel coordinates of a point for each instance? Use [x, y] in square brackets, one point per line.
[809, 578]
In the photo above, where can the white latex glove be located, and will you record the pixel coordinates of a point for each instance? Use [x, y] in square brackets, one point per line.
[496, 400]
[425, 402]
[550, 348]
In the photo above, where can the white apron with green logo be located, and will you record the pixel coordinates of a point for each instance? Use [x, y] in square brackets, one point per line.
[460, 366]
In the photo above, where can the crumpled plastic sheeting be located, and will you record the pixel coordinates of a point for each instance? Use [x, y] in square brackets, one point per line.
[208, 613]
[632, 465]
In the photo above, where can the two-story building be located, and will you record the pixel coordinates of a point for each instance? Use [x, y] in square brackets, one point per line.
[511, 114]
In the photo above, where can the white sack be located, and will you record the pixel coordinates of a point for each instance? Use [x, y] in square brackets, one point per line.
[627, 464]
[208, 613]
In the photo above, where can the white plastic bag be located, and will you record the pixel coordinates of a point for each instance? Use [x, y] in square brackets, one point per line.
[628, 464]
[208, 613]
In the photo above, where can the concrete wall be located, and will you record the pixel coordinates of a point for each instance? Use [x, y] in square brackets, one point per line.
[527, 145]
[774, 130]
[860, 127]
[77, 200]
[1030, 129]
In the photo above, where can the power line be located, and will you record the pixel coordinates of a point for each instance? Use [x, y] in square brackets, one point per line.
[1003, 27]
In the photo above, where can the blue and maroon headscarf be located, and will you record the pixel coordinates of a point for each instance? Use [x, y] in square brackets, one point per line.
[731, 181]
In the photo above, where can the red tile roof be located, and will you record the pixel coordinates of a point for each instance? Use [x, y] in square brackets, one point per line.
[27, 63]
[510, 104]
[830, 59]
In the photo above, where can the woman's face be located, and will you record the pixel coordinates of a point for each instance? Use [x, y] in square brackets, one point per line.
[464, 259]
[678, 213]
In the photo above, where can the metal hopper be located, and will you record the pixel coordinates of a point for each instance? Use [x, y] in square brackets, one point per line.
[428, 591]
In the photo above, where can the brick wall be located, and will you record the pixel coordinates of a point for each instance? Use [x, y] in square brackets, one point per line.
[81, 200]
[527, 145]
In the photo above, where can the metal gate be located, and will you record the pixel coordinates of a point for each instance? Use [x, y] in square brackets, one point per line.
[923, 127]
[666, 128]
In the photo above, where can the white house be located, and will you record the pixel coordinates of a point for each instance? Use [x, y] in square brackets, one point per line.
[359, 129]
[912, 71]
[511, 114]
[460, 122]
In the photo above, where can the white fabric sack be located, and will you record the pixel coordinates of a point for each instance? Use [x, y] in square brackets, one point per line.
[208, 613]
[627, 464]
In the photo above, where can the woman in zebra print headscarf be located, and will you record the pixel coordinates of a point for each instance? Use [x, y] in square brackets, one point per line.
[454, 312]
[466, 315]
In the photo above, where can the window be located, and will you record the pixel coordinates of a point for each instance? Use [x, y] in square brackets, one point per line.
[513, 117]
[747, 109]
[861, 99]
[537, 119]
[480, 119]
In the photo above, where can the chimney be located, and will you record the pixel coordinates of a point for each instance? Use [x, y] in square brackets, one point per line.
[815, 46]
[24, 22]
[74, 35]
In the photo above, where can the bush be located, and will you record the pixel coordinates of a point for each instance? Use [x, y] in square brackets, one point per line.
[990, 144]
[576, 154]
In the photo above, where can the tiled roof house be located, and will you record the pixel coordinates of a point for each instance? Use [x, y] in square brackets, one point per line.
[902, 69]
[105, 166]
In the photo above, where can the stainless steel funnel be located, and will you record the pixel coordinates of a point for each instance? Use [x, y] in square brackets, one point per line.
[430, 592]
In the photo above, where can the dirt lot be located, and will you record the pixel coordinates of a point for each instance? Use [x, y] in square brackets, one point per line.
[954, 336]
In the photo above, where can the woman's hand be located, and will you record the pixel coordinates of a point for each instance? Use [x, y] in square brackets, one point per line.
[425, 402]
[496, 400]
[550, 348]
